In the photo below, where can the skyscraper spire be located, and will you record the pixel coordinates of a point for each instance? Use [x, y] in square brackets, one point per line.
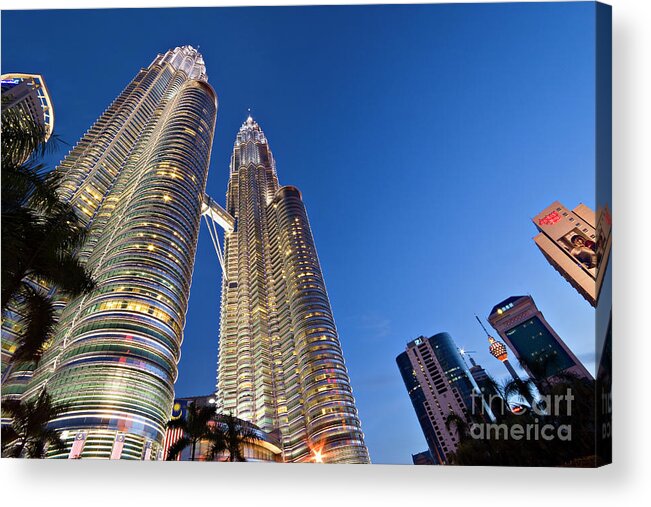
[136, 179]
[482, 325]
[281, 366]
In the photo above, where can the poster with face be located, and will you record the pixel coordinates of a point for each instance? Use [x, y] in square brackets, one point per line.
[582, 248]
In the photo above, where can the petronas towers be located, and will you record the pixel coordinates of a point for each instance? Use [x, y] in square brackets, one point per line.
[280, 361]
[137, 179]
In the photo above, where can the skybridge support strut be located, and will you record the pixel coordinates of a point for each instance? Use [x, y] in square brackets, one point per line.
[215, 216]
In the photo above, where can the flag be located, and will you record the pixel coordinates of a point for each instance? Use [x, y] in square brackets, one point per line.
[171, 436]
[147, 454]
[78, 445]
[116, 453]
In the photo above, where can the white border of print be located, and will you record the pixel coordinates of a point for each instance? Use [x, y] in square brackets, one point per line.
[189, 484]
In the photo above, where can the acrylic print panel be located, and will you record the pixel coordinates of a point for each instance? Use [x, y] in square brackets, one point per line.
[304, 234]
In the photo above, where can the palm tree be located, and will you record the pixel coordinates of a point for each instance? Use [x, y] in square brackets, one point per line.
[521, 390]
[460, 424]
[196, 427]
[22, 137]
[470, 451]
[29, 434]
[492, 391]
[40, 235]
[579, 451]
[230, 434]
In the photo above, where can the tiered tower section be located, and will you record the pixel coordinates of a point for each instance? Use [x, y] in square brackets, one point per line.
[280, 361]
[137, 179]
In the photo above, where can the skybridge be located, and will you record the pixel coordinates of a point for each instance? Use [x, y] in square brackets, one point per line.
[216, 216]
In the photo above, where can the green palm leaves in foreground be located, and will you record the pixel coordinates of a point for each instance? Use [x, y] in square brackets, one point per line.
[195, 426]
[231, 434]
[40, 236]
[222, 432]
[28, 436]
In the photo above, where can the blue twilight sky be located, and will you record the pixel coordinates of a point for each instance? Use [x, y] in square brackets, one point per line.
[424, 138]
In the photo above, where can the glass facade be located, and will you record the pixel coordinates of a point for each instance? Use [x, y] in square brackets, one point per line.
[439, 384]
[455, 369]
[136, 178]
[535, 344]
[281, 366]
[29, 93]
[417, 397]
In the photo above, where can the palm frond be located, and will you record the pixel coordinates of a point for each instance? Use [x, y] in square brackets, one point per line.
[217, 446]
[177, 447]
[22, 137]
[38, 323]
[522, 390]
[68, 274]
[9, 437]
[30, 426]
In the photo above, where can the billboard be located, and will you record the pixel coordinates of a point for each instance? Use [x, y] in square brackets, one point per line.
[573, 245]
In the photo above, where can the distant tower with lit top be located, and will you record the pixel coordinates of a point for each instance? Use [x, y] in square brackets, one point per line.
[498, 351]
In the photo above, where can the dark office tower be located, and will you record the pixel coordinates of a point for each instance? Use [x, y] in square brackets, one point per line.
[478, 373]
[281, 366]
[538, 348]
[439, 384]
[136, 179]
[422, 458]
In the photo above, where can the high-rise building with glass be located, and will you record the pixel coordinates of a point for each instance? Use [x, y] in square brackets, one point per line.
[28, 93]
[440, 385]
[137, 179]
[281, 365]
[536, 345]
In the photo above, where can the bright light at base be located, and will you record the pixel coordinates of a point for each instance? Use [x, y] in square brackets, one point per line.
[318, 457]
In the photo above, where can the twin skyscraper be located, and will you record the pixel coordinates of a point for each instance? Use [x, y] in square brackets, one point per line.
[137, 179]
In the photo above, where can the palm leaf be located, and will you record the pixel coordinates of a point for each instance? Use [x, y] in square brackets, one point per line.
[177, 447]
[38, 323]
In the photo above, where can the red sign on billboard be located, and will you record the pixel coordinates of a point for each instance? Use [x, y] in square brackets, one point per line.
[550, 219]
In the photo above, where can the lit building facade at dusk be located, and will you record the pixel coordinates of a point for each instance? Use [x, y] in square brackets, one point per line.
[439, 384]
[537, 347]
[281, 365]
[29, 93]
[137, 180]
